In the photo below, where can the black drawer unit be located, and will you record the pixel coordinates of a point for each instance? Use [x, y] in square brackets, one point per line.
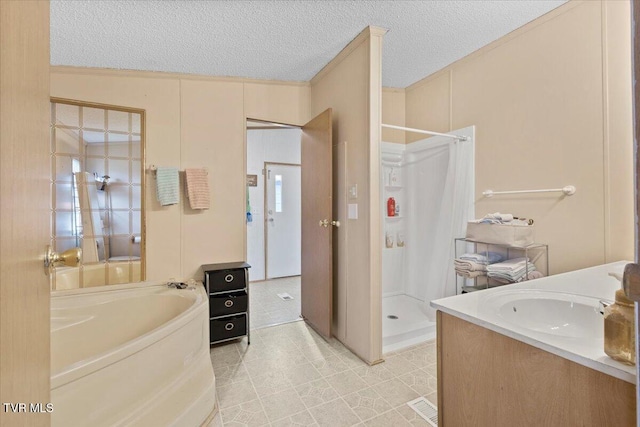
[228, 288]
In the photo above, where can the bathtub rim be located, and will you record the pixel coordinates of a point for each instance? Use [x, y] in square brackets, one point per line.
[86, 366]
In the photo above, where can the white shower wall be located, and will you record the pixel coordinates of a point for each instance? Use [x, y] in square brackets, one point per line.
[425, 171]
[436, 195]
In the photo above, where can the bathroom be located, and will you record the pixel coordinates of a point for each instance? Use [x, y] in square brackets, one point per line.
[194, 118]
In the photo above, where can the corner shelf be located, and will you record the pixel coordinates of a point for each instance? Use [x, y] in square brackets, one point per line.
[393, 187]
[391, 218]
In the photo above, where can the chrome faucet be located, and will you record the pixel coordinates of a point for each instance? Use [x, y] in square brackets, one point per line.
[177, 285]
[602, 304]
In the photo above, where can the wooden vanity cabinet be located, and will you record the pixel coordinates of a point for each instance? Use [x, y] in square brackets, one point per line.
[488, 379]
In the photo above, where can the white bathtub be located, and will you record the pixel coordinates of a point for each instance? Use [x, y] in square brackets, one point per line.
[89, 275]
[134, 354]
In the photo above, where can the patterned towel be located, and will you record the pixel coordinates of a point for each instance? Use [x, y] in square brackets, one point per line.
[197, 188]
[168, 191]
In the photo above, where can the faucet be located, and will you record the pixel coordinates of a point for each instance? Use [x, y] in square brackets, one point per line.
[177, 285]
[190, 284]
[602, 304]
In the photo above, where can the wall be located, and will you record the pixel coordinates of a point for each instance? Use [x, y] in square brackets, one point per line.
[191, 121]
[551, 103]
[351, 86]
[265, 145]
[393, 113]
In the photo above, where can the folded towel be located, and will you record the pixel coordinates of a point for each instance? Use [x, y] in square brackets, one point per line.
[512, 270]
[500, 217]
[168, 191]
[483, 258]
[464, 265]
[510, 264]
[197, 188]
[470, 274]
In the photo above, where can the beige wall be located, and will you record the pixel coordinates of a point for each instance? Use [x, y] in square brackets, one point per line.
[350, 85]
[549, 112]
[393, 113]
[191, 121]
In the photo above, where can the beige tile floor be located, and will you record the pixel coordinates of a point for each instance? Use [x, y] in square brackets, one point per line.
[267, 308]
[290, 376]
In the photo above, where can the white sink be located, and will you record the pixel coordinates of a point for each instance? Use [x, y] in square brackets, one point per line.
[548, 312]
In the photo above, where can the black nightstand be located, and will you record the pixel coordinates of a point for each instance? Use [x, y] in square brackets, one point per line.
[228, 287]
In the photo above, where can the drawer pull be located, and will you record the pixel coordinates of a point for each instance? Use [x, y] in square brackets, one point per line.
[228, 303]
[228, 278]
[228, 326]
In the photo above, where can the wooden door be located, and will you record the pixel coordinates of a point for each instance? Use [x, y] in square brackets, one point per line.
[317, 258]
[24, 212]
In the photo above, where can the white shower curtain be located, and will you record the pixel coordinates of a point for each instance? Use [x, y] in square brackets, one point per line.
[440, 176]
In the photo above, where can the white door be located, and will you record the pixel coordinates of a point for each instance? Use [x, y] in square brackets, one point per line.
[282, 220]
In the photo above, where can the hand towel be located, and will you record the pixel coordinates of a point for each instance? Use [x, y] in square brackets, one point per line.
[197, 188]
[167, 186]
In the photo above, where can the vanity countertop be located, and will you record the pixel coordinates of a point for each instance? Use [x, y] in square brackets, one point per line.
[593, 282]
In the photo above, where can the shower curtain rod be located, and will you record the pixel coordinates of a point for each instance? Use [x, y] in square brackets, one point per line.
[426, 132]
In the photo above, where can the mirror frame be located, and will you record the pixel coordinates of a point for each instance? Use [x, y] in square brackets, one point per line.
[143, 163]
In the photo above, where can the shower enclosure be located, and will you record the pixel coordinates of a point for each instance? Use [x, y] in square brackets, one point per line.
[431, 184]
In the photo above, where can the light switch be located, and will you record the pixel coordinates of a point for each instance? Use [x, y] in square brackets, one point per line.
[353, 211]
[353, 191]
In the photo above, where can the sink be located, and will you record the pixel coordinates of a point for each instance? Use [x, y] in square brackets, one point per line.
[554, 313]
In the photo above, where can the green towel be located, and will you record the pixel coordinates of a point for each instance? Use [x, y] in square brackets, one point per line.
[249, 216]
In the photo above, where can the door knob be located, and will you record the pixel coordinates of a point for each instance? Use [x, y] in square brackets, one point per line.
[324, 223]
[335, 223]
[270, 219]
[70, 257]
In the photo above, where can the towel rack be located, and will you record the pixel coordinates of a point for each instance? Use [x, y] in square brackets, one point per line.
[568, 190]
[154, 168]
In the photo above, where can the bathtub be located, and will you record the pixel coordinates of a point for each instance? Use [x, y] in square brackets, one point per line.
[112, 273]
[134, 354]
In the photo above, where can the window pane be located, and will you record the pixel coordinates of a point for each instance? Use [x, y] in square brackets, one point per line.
[278, 193]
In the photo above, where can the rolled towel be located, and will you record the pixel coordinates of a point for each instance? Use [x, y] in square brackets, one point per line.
[167, 186]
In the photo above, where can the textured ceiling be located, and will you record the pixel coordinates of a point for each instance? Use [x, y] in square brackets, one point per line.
[280, 40]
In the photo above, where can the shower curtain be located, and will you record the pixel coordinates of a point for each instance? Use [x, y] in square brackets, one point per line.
[440, 202]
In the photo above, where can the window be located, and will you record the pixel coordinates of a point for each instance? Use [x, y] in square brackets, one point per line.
[77, 218]
[278, 193]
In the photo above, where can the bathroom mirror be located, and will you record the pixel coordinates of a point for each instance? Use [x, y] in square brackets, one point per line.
[97, 192]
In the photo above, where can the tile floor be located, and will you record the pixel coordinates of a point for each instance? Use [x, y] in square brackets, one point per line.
[290, 376]
[267, 308]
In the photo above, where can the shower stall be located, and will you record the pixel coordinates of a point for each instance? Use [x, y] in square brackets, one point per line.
[427, 192]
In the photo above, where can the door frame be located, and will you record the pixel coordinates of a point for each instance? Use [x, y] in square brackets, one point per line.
[280, 125]
[264, 223]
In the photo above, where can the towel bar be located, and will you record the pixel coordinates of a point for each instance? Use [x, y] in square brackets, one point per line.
[568, 190]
